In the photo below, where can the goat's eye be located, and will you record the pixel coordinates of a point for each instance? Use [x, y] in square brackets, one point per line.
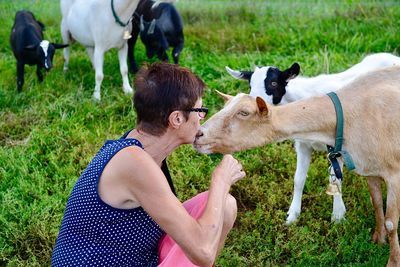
[243, 113]
[274, 84]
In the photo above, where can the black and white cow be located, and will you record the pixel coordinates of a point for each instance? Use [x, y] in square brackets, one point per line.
[160, 27]
[29, 47]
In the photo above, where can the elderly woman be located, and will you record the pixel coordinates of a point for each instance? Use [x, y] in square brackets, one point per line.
[123, 210]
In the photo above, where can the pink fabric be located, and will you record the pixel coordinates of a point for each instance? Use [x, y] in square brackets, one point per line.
[170, 254]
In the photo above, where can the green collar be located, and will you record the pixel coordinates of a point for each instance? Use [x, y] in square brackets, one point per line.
[337, 151]
[117, 20]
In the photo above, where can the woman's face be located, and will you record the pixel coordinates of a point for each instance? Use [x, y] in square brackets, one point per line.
[192, 125]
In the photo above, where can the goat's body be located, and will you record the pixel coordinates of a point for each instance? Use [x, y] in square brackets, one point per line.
[306, 87]
[371, 111]
[163, 29]
[91, 23]
[29, 47]
[371, 122]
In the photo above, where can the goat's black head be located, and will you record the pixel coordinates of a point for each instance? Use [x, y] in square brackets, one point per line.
[153, 38]
[268, 82]
[45, 52]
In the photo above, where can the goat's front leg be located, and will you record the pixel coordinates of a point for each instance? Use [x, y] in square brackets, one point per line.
[339, 209]
[90, 52]
[20, 75]
[176, 52]
[123, 66]
[131, 48]
[162, 55]
[392, 219]
[304, 151]
[66, 40]
[39, 73]
[375, 190]
[98, 60]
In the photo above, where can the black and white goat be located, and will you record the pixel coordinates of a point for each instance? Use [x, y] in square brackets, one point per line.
[282, 87]
[159, 27]
[29, 47]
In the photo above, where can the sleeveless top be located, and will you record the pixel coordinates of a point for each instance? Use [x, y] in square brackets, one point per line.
[95, 234]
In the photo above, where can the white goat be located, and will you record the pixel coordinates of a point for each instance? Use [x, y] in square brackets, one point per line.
[92, 23]
[371, 126]
[282, 87]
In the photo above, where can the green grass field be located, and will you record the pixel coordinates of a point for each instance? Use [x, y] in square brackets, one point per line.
[50, 131]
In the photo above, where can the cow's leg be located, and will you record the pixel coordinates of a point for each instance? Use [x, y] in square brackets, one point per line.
[98, 60]
[20, 75]
[39, 73]
[123, 66]
[375, 190]
[392, 219]
[131, 50]
[304, 152]
[67, 40]
[339, 209]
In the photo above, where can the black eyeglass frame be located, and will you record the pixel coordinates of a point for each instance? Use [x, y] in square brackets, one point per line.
[199, 110]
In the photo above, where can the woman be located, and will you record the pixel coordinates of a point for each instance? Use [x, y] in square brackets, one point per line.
[123, 210]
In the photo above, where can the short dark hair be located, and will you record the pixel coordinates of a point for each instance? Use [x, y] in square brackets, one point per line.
[160, 89]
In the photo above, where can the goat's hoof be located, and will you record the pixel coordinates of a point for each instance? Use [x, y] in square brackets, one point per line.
[379, 238]
[394, 261]
[291, 219]
[335, 218]
[96, 96]
[128, 90]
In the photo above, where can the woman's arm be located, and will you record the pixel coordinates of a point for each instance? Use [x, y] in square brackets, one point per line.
[148, 185]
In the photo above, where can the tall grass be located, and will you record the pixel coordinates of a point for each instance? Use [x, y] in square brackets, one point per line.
[50, 131]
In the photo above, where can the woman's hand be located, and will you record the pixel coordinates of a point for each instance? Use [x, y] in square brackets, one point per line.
[229, 169]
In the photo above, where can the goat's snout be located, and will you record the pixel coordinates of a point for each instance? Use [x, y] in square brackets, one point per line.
[199, 134]
[48, 66]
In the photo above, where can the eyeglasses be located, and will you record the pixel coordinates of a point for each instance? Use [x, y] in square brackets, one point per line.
[202, 112]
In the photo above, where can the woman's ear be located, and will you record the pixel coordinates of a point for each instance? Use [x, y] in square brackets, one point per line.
[176, 119]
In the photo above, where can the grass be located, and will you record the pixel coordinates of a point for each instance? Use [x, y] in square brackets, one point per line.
[50, 131]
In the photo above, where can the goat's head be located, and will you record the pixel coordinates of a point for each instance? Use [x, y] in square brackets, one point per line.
[240, 125]
[45, 52]
[267, 82]
[152, 37]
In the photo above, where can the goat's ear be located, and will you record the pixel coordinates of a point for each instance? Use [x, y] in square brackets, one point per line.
[292, 72]
[157, 2]
[152, 27]
[57, 46]
[141, 24]
[224, 96]
[262, 107]
[30, 47]
[241, 75]
[41, 25]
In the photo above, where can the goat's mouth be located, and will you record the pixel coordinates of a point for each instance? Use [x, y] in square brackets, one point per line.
[206, 148]
[212, 147]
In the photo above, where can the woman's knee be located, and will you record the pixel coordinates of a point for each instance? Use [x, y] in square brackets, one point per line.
[230, 211]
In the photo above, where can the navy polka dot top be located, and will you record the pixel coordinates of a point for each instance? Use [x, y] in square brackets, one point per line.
[95, 234]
